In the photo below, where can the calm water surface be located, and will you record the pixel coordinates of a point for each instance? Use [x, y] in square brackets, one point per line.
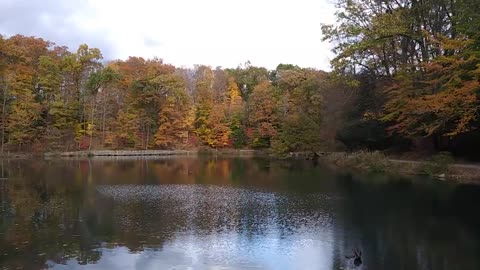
[229, 213]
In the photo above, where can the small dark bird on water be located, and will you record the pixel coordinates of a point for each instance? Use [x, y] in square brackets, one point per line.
[357, 257]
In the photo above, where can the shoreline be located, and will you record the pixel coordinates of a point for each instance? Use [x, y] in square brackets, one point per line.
[375, 162]
[366, 162]
[151, 153]
[123, 153]
[136, 153]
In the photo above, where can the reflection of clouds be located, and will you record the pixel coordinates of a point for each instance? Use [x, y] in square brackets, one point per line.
[219, 251]
[212, 208]
[211, 227]
[290, 223]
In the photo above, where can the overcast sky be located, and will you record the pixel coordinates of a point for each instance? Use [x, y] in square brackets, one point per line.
[182, 32]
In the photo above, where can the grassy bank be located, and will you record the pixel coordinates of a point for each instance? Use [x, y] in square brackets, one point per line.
[232, 152]
[440, 166]
[127, 153]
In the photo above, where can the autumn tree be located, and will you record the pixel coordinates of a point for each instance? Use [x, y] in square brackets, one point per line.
[423, 56]
[99, 82]
[235, 114]
[174, 123]
[204, 102]
[145, 84]
[301, 107]
[77, 68]
[22, 118]
[248, 77]
[262, 115]
[4, 84]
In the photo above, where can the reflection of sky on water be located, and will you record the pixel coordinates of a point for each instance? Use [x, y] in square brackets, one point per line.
[224, 228]
[222, 213]
[220, 251]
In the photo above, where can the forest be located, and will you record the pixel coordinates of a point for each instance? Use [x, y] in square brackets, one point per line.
[405, 77]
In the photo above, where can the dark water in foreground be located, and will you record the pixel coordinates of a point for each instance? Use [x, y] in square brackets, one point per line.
[206, 213]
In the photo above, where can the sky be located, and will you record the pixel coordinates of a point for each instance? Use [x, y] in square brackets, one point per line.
[222, 33]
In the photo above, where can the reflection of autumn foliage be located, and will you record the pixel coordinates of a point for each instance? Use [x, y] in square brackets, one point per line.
[44, 221]
[57, 216]
[51, 213]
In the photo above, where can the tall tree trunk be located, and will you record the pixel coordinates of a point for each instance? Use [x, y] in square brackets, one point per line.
[4, 114]
[91, 120]
[103, 117]
[148, 133]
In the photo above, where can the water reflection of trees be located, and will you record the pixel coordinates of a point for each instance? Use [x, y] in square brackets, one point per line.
[44, 217]
[51, 211]
[404, 224]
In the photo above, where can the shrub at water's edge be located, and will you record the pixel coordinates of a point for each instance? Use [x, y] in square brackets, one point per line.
[439, 166]
[374, 162]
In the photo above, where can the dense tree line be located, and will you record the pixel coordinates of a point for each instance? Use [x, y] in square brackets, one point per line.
[55, 99]
[417, 66]
[406, 76]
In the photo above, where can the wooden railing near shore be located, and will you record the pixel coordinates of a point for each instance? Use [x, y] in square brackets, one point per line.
[111, 153]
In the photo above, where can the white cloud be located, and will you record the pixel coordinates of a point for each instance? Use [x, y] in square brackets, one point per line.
[187, 32]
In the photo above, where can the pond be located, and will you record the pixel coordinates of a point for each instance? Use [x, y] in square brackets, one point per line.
[229, 213]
